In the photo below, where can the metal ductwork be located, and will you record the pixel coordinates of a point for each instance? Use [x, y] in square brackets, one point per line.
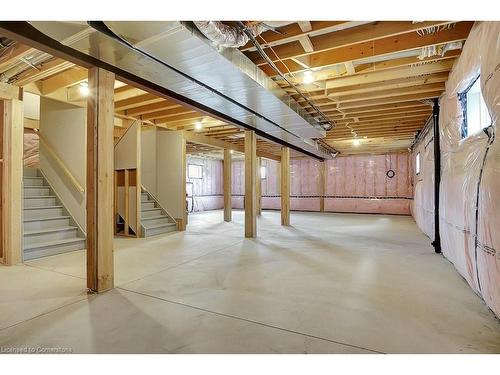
[177, 57]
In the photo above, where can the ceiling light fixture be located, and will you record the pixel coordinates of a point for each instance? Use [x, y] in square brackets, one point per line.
[231, 152]
[84, 88]
[356, 142]
[198, 125]
[308, 77]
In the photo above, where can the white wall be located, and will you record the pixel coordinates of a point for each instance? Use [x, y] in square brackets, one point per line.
[148, 160]
[125, 157]
[64, 127]
[171, 181]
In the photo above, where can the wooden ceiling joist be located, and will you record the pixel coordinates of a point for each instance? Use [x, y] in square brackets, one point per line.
[380, 47]
[344, 38]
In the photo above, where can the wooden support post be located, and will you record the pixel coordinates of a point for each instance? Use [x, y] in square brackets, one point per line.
[322, 187]
[250, 176]
[258, 188]
[138, 185]
[127, 197]
[182, 222]
[11, 129]
[100, 109]
[227, 185]
[285, 186]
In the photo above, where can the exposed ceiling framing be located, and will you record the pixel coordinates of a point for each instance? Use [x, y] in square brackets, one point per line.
[367, 77]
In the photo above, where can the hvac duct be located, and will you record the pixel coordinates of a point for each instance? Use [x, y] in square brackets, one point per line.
[178, 58]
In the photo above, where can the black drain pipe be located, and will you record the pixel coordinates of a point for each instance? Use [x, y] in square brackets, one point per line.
[437, 175]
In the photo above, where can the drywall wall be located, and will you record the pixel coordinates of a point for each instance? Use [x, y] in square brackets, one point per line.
[64, 127]
[148, 160]
[171, 167]
[470, 172]
[127, 152]
[207, 192]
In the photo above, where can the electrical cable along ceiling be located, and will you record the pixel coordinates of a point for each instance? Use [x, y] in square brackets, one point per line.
[178, 57]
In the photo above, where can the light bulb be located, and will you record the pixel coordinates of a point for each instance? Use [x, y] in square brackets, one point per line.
[356, 142]
[198, 125]
[84, 88]
[231, 152]
[308, 77]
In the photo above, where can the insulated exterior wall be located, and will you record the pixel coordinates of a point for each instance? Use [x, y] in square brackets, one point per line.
[470, 170]
[352, 184]
[360, 184]
[31, 153]
[208, 191]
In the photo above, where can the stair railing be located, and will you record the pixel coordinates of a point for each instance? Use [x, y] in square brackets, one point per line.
[61, 164]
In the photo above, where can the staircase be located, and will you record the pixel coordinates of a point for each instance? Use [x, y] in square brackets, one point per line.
[154, 219]
[48, 228]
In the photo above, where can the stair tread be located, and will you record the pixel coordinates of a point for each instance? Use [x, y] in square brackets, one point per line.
[52, 243]
[47, 218]
[32, 178]
[49, 230]
[154, 217]
[154, 226]
[150, 209]
[40, 196]
[36, 187]
[41, 207]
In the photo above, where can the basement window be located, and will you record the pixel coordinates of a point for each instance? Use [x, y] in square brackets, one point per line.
[417, 164]
[475, 113]
[195, 171]
[263, 173]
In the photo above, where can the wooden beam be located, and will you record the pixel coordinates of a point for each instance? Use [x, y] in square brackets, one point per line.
[352, 37]
[100, 110]
[210, 141]
[306, 44]
[46, 69]
[183, 221]
[293, 31]
[380, 47]
[384, 75]
[12, 54]
[137, 101]
[8, 92]
[305, 26]
[67, 78]
[250, 176]
[285, 186]
[258, 189]
[227, 185]
[150, 108]
[322, 185]
[11, 131]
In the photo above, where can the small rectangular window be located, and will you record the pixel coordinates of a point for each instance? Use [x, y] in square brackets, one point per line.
[195, 171]
[417, 164]
[475, 112]
[263, 172]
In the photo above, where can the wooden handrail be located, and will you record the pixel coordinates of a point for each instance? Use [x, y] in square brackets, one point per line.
[63, 166]
[125, 132]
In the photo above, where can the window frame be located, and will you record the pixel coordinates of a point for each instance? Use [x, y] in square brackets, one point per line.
[418, 164]
[462, 98]
[263, 168]
[189, 174]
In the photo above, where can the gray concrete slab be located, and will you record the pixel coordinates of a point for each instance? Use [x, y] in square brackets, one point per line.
[329, 283]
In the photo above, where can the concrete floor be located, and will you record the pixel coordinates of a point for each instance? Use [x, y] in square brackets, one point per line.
[331, 283]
